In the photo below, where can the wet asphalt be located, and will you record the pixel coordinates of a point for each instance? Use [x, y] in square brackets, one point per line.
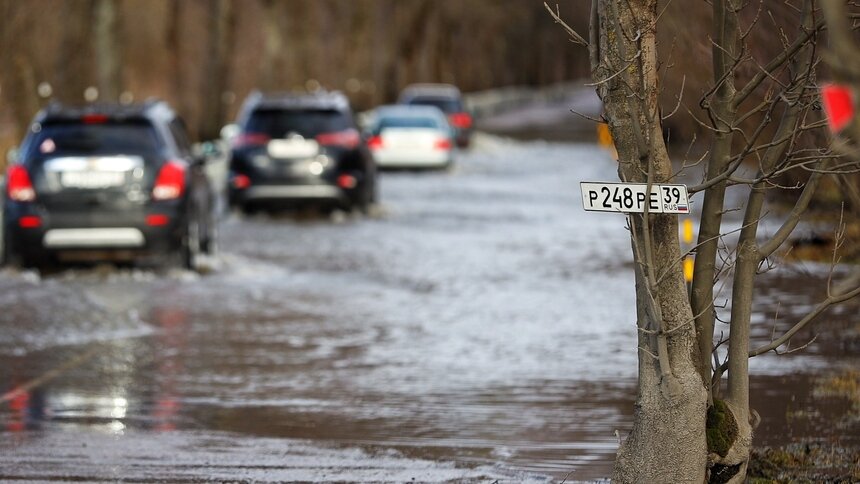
[476, 327]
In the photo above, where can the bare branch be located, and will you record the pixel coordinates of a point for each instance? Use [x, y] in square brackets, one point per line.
[820, 308]
[781, 235]
[777, 61]
[575, 37]
[680, 96]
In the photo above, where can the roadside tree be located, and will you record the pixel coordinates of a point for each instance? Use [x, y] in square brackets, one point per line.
[693, 421]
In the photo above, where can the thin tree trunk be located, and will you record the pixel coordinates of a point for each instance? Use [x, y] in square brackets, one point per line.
[222, 25]
[748, 260]
[273, 42]
[106, 48]
[174, 52]
[724, 50]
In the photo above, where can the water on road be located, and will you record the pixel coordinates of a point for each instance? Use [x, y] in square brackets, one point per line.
[478, 327]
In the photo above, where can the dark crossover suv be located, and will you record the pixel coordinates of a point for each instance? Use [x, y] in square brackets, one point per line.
[107, 182]
[448, 99]
[300, 149]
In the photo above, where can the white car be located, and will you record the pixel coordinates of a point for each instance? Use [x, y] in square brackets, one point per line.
[411, 137]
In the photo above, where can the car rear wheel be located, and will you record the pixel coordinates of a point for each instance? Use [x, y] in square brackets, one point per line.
[10, 257]
[191, 244]
[209, 245]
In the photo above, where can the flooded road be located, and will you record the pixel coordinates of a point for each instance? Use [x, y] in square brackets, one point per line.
[479, 327]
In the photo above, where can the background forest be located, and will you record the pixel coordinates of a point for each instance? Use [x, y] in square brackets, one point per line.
[204, 56]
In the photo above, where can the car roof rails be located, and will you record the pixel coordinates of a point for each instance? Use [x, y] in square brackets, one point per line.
[151, 107]
[292, 99]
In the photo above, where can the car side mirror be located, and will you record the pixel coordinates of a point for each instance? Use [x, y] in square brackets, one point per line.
[230, 131]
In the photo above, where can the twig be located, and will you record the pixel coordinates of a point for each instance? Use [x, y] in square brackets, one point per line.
[575, 37]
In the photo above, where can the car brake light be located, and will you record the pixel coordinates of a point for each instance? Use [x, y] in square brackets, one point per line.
[251, 139]
[461, 120]
[157, 220]
[170, 182]
[241, 182]
[347, 181]
[374, 142]
[94, 118]
[348, 138]
[30, 222]
[19, 187]
[442, 144]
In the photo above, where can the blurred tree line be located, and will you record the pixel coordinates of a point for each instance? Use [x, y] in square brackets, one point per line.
[204, 56]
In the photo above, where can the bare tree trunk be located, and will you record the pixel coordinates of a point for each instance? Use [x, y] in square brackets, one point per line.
[667, 443]
[18, 89]
[76, 60]
[174, 52]
[221, 28]
[725, 50]
[106, 48]
[273, 42]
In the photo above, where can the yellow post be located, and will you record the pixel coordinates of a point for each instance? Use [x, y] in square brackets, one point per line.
[687, 238]
[604, 138]
[687, 231]
[688, 268]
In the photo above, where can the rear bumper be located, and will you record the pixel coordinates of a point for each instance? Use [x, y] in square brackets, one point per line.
[112, 237]
[390, 158]
[293, 192]
[107, 234]
[288, 194]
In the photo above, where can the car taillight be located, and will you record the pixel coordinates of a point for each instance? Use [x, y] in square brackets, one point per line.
[251, 139]
[461, 120]
[170, 182]
[442, 144]
[157, 220]
[374, 142]
[19, 187]
[241, 182]
[347, 181]
[348, 138]
[30, 222]
[94, 118]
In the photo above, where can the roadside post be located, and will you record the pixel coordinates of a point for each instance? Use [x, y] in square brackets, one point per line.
[687, 239]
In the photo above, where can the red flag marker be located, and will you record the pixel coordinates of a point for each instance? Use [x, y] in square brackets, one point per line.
[838, 105]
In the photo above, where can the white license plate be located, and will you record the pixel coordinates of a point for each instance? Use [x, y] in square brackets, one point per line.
[293, 148]
[92, 179]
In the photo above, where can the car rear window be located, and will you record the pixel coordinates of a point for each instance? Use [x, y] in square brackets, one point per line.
[78, 139]
[406, 122]
[446, 104]
[309, 123]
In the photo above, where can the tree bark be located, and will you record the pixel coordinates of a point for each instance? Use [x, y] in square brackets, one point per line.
[106, 48]
[221, 27]
[273, 42]
[667, 442]
[724, 50]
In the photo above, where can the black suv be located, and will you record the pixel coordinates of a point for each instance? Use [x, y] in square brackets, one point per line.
[107, 182]
[447, 98]
[300, 149]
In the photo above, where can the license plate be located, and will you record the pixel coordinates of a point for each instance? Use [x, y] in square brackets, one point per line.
[92, 179]
[293, 148]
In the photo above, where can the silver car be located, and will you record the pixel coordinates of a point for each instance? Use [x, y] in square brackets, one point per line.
[411, 137]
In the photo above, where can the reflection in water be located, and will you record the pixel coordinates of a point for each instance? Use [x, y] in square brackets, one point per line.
[120, 391]
[479, 321]
[172, 339]
[19, 403]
